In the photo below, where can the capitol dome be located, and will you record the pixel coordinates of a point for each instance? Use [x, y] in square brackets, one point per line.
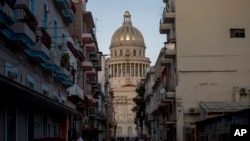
[127, 34]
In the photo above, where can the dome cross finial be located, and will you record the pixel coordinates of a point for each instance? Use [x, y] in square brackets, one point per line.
[127, 17]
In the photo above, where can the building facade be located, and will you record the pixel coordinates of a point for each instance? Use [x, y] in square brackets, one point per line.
[49, 63]
[127, 66]
[203, 72]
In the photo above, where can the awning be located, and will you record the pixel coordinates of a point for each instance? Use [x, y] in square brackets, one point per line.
[217, 107]
[17, 91]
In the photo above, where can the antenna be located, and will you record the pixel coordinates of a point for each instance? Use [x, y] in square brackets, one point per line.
[96, 19]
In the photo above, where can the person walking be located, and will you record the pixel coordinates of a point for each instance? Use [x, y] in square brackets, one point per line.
[78, 137]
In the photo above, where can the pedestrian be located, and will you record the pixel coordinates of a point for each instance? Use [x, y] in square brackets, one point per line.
[78, 137]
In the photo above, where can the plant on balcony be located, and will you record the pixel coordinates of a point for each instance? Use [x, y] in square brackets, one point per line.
[65, 63]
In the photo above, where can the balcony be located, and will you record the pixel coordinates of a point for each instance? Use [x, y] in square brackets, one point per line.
[88, 91]
[93, 57]
[51, 68]
[61, 76]
[64, 78]
[167, 95]
[87, 38]
[169, 15]
[5, 20]
[37, 56]
[68, 83]
[80, 55]
[39, 53]
[75, 94]
[98, 66]
[149, 119]
[92, 112]
[76, 52]
[54, 63]
[68, 15]
[66, 71]
[166, 62]
[98, 89]
[23, 36]
[25, 15]
[90, 47]
[171, 51]
[87, 66]
[155, 112]
[100, 116]
[92, 81]
[170, 95]
[62, 4]
[88, 19]
[91, 73]
[165, 28]
[43, 36]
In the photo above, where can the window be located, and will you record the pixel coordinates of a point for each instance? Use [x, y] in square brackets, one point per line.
[30, 82]
[45, 89]
[127, 53]
[120, 52]
[237, 33]
[11, 71]
[134, 52]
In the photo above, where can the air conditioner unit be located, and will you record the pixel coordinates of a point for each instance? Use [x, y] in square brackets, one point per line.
[244, 91]
[193, 110]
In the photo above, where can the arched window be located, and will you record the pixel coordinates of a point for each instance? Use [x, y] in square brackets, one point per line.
[139, 52]
[115, 53]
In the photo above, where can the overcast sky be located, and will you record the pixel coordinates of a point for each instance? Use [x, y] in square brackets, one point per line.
[145, 16]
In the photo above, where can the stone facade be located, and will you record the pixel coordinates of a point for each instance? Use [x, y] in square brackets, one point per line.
[127, 66]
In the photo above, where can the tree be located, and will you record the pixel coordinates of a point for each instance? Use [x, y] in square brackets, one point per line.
[139, 108]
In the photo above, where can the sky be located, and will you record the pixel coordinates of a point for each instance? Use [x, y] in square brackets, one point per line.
[145, 16]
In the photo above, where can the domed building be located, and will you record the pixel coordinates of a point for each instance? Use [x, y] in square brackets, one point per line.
[127, 66]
